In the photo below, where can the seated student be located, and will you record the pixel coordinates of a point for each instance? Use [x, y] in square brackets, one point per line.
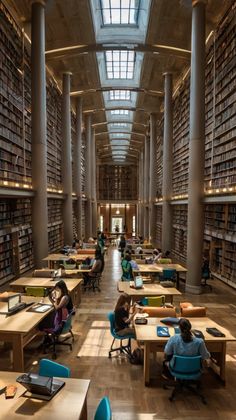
[97, 267]
[154, 258]
[61, 300]
[139, 250]
[127, 272]
[183, 344]
[123, 317]
[164, 258]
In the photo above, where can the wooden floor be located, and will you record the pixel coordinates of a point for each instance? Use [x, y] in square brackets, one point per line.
[123, 382]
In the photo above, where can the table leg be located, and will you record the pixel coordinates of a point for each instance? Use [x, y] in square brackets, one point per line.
[84, 412]
[18, 353]
[146, 364]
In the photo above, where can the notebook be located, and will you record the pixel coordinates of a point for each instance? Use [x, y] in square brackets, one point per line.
[170, 321]
[40, 308]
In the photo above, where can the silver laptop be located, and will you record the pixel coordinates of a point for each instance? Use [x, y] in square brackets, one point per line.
[12, 305]
[138, 282]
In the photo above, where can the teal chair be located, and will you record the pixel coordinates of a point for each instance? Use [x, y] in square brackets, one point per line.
[49, 368]
[122, 348]
[103, 411]
[187, 370]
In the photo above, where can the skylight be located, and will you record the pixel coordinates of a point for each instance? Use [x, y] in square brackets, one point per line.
[122, 95]
[119, 125]
[120, 112]
[120, 12]
[120, 64]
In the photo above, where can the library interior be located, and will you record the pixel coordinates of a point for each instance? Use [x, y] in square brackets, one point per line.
[118, 209]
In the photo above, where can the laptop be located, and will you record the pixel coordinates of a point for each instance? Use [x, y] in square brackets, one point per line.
[41, 387]
[138, 282]
[12, 305]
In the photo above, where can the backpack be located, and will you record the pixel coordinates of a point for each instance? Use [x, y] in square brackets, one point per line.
[137, 357]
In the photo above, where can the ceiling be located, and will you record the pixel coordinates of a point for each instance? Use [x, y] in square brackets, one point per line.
[163, 45]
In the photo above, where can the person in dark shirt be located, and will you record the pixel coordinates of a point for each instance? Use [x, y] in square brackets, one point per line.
[123, 317]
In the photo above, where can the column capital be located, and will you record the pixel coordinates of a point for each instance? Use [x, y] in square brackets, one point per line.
[195, 2]
[42, 2]
[67, 73]
[167, 73]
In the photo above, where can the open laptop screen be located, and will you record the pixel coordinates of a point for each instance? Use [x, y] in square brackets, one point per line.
[138, 282]
[13, 301]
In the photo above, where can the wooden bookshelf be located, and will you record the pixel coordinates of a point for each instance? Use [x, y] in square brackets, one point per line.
[159, 157]
[181, 138]
[55, 225]
[159, 225]
[117, 182]
[180, 216]
[54, 136]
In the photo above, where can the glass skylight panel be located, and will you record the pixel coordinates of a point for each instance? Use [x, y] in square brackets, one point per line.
[120, 112]
[119, 95]
[120, 64]
[119, 125]
[120, 12]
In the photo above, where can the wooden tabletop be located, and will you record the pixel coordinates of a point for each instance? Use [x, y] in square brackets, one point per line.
[62, 257]
[158, 268]
[23, 321]
[147, 290]
[68, 403]
[148, 332]
[44, 282]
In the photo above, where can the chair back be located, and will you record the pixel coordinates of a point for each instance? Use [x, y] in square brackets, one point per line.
[169, 274]
[67, 324]
[50, 368]
[156, 312]
[186, 367]
[103, 411]
[68, 266]
[37, 291]
[185, 305]
[195, 311]
[111, 317]
[164, 261]
[156, 301]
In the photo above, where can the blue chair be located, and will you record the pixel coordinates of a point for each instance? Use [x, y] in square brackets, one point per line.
[52, 339]
[50, 368]
[122, 348]
[168, 276]
[187, 370]
[103, 411]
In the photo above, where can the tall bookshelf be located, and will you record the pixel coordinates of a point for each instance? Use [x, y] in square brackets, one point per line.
[159, 157]
[180, 215]
[15, 130]
[159, 225]
[181, 138]
[117, 182]
[16, 245]
[54, 135]
[55, 225]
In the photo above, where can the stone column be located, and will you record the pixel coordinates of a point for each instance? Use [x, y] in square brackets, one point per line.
[66, 160]
[196, 151]
[167, 165]
[39, 142]
[77, 162]
[152, 180]
[88, 162]
[146, 187]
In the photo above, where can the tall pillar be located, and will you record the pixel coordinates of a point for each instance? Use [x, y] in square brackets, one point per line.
[152, 180]
[139, 225]
[146, 187]
[196, 151]
[167, 165]
[77, 163]
[93, 184]
[66, 160]
[88, 162]
[39, 143]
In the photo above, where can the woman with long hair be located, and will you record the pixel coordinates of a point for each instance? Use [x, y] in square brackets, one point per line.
[123, 317]
[184, 344]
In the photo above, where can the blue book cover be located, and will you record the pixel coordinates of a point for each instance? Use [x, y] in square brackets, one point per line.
[163, 331]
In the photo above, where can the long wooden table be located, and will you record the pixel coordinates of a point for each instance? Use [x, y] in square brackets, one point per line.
[152, 343]
[19, 329]
[147, 291]
[158, 269]
[55, 258]
[73, 285]
[69, 403]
